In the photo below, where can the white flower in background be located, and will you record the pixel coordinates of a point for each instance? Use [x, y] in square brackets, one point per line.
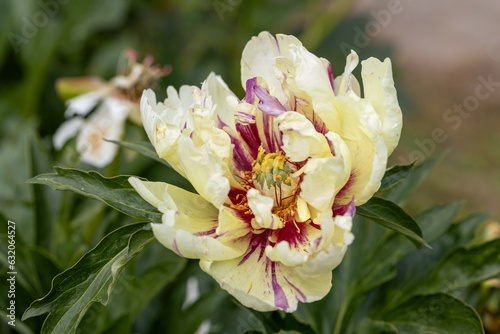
[100, 113]
[278, 173]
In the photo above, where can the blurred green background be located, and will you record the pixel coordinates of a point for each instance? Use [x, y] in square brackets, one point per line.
[440, 52]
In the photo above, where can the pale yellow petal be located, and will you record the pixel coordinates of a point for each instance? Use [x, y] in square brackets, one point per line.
[263, 285]
[325, 177]
[164, 122]
[355, 87]
[330, 249]
[300, 139]
[367, 147]
[204, 170]
[192, 246]
[207, 132]
[312, 78]
[325, 252]
[380, 91]
[160, 195]
[188, 224]
[347, 81]
[261, 208]
[244, 281]
[303, 209]
[259, 57]
[217, 95]
[151, 192]
[231, 227]
[282, 253]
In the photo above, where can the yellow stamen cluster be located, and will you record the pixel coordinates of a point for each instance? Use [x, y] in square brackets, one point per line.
[273, 169]
[272, 176]
[242, 204]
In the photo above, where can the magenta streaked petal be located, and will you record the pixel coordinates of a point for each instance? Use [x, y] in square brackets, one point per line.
[253, 246]
[199, 234]
[268, 104]
[176, 248]
[269, 134]
[250, 135]
[295, 235]
[241, 156]
[246, 141]
[351, 211]
[344, 210]
[262, 249]
[343, 193]
[245, 118]
[250, 93]
[221, 123]
[280, 300]
[330, 76]
[303, 105]
[302, 295]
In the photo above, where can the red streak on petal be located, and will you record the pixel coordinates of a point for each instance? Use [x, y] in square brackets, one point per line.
[258, 240]
[176, 249]
[345, 189]
[295, 238]
[279, 295]
[316, 226]
[200, 234]
[250, 135]
[304, 298]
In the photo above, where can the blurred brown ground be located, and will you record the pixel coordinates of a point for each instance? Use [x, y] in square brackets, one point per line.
[442, 48]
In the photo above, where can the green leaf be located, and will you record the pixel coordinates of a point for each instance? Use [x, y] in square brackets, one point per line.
[437, 314]
[465, 232]
[381, 266]
[402, 191]
[138, 285]
[243, 320]
[285, 322]
[416, 267]
[114, 191]
[394, 175]
[465, 267]
[154, 268]
[436, 220]
[144, 148]
[390, 215]
[90, 280]
[376, 327]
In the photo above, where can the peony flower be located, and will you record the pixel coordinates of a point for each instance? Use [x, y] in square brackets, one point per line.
[113, 101]
[278, 174]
